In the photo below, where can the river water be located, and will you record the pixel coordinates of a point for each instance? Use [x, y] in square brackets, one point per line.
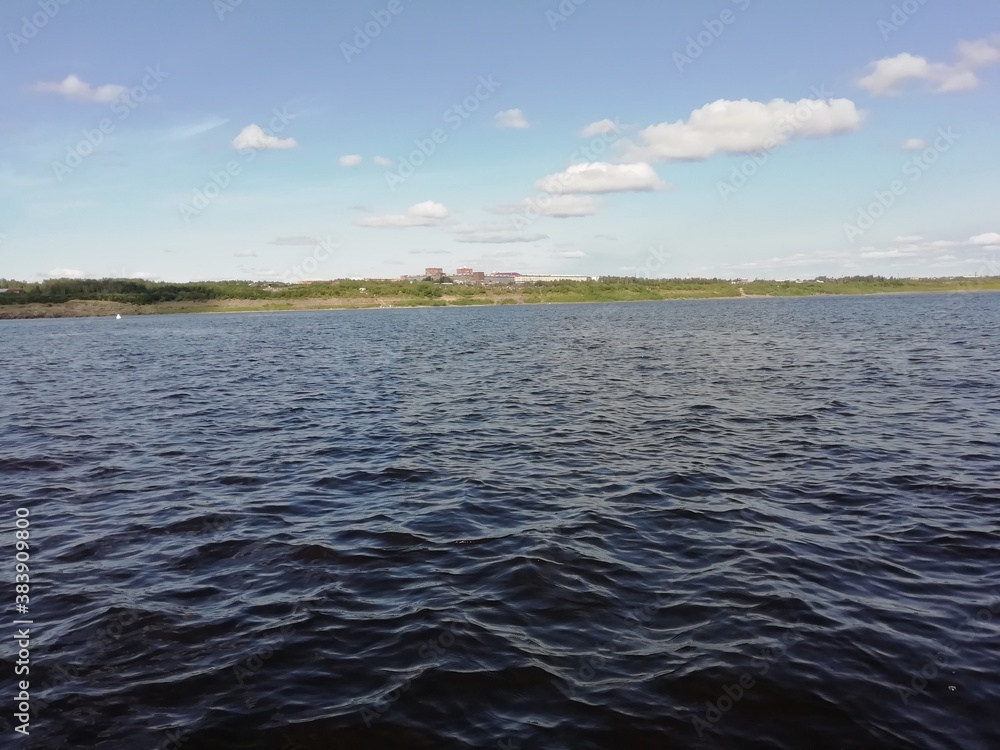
[759, 523]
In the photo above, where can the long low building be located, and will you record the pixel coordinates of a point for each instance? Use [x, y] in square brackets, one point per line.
[527, 278]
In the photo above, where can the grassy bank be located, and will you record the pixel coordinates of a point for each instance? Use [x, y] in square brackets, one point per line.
[66, 298]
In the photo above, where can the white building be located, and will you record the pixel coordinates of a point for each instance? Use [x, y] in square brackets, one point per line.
[527, 278]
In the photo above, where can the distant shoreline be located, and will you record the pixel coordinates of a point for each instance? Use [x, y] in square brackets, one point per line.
[98, 308]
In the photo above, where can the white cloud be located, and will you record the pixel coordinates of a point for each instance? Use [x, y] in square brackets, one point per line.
[73, 88]
[425, 214]
[383, 161]
[244, 254]
[555, 206]
[572, 254]
[990, 238]
[601, 127]
[493, 234]
[65, 273]
[741, 127]
[923, 250]
[915, 144]
[350, 160]
[429, 210]
[144, 275]
[888, 75]
[601, 177]
[979, 53]
[511, 118]
[252, 136]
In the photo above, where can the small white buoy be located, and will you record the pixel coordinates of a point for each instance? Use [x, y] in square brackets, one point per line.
[118, 316]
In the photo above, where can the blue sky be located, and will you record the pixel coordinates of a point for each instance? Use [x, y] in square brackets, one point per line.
[221, 139]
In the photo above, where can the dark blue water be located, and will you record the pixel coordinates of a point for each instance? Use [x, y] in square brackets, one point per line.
[719, 524]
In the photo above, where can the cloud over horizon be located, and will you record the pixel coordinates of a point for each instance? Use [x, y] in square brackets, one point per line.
[511, 119]
[742, 127]
[493, 234]
[555, 206]
[601, 177]
[75, 89]
[252, 136]
[888, 76]
[424, 214]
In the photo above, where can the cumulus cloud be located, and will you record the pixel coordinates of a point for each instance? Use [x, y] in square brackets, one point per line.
[511, 118]
[382, 161]
[555, 206]
[244, 254]
[572, 254]
[65, 273]
[915, 144]
[601, 177]
[425, 214]
[73, 88]
[350, 160]
[252, 136]
[601, 127]
[742, 127]
[493, 234]
[915, 247]
[144, 275]
[888, 76]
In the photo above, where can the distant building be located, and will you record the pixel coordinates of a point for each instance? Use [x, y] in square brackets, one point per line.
[434, 273]
[12, 290]
[504, 275]
[478, 276]
[527, 278]
[463, 272]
